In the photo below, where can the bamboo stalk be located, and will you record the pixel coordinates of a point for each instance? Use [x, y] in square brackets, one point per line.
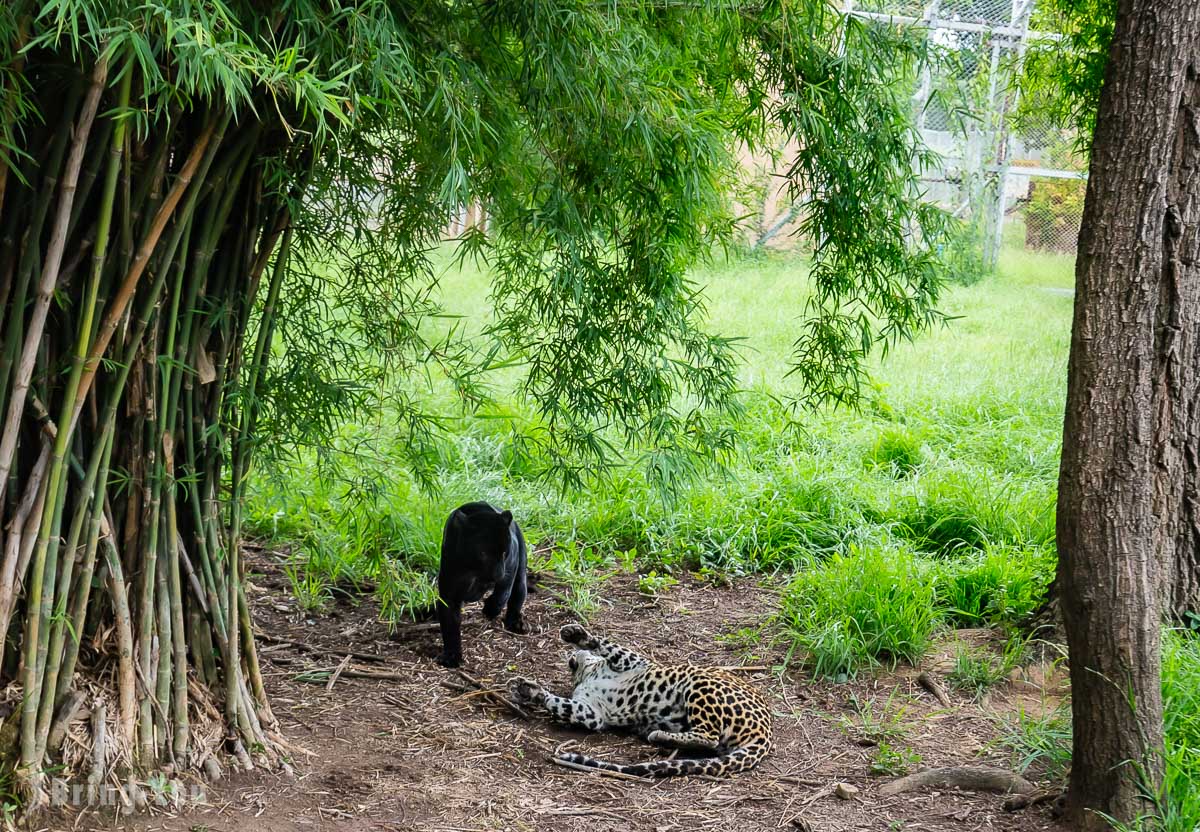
[126, 681]
[28, 262]
[241, 459]
[216, 607]
[39, 607]
[165, 669]
[9, 572]
[179, 695]
[253, 670]
[83, 593]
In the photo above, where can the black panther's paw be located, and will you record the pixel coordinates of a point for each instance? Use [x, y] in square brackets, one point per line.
[575, 634]
[489, 611]
[525, 692]
[516, 625]
[449, 660]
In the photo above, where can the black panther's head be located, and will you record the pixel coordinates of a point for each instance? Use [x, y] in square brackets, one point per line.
[485, 537]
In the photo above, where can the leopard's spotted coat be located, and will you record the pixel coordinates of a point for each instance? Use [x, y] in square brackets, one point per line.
[693, 708]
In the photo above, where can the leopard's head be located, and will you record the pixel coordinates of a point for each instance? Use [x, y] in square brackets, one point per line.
[584, 664]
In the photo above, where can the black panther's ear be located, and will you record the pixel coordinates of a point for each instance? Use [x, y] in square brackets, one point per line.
[458, 519]
[507, 515]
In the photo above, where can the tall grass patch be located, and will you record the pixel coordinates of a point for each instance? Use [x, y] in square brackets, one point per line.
[859, 609]
[1181, 710]
[1001, 585]
[883, 604]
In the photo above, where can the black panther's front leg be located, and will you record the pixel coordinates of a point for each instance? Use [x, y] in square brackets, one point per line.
[450, 619]
[499, 597]
[619, 658]
[512, 617]
[513, 589]
[525, 692]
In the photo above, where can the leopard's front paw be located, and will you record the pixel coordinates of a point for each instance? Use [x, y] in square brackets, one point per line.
[575, 634]
[525, 692]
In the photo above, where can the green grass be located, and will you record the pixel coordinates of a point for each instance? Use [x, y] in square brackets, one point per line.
[857, 609]
[978, 671]
[1180, 803]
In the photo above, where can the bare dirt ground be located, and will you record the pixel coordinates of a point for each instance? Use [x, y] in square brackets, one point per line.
[425, 752]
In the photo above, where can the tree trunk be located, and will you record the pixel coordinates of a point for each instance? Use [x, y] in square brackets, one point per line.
[1127, 506]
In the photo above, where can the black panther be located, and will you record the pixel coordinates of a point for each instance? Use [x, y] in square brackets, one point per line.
[482, 549]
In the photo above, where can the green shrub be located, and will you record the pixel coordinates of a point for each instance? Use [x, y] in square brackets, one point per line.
[893, 761]
[860, 609]
[652, 583]
[897, 451]
[1001, 585]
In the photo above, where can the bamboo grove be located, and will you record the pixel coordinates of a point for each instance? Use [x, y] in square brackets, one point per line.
[117, 429]
[216, 225]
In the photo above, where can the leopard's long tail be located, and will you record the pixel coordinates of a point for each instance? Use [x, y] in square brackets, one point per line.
[740, 759]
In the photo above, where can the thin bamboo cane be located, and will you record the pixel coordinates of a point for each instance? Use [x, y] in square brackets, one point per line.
[241, 459]
[39, 608]
[28, 262]
[9, 572]
[165, 670]
[126, 679]
[144, 600]
[58, 619]
[215, 605]
[83, 592]
[179, 695]
[101, 137]
[253, 670]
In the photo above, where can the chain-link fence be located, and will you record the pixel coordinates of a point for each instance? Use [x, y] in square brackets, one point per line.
[1047, 213]
[1011, 175]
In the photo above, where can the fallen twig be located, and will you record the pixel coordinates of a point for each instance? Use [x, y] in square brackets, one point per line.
[491, 694]
[341, 668]
[932, 685]
[322, 651]
[971, 778]
[414, 629]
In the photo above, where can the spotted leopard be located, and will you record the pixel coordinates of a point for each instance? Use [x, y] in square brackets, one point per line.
[686, 707]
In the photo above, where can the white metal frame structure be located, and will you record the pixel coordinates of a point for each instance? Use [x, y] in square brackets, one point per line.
[987, 162]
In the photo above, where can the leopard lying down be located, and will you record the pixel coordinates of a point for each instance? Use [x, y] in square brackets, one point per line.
[692, 708]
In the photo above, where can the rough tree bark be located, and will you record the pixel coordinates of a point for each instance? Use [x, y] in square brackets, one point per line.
[1127, 506]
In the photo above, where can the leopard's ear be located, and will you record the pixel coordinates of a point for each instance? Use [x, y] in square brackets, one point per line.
[506, 515]
[458, 519]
